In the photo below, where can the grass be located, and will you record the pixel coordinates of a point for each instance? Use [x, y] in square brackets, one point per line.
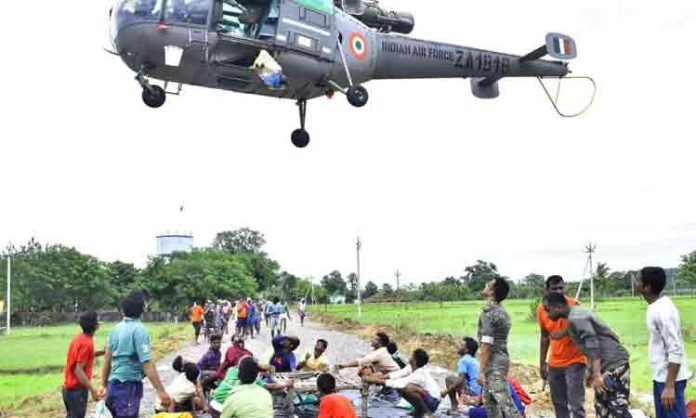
[626, 316]
[45, 348]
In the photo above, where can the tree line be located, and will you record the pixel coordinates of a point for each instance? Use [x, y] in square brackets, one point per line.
[58, 278]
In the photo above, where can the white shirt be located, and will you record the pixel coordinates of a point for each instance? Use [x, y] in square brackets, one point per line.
[421, 377]
[665, 344]
[181, 389]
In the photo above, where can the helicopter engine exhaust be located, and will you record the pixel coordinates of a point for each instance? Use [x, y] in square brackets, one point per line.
[388, 21]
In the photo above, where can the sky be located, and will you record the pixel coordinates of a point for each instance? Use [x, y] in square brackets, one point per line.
[431, 178]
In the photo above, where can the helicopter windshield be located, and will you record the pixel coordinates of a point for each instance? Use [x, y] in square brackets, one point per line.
[128, 12]
[187, 11]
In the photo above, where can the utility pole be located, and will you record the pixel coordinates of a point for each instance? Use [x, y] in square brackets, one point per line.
[398, 293]
[8, 306]
[590, 249]
[357, 246]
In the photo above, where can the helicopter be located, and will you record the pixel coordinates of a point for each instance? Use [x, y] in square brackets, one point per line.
[304, 49]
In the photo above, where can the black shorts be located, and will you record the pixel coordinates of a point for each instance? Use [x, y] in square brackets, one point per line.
[197, 326]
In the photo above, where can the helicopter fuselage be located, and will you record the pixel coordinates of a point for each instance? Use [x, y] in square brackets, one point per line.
[319, 48]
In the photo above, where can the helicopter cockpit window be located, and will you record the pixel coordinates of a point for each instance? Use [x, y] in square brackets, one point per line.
[324, 6]
[128, 12]
[193, 12]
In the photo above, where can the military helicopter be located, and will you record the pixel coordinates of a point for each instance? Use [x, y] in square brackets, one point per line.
[303, 49]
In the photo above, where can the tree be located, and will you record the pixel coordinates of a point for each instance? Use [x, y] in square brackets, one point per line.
[264, 269]
[479, 274]
[333, 284]
[352, 280]
[535, 280]
[371, 289]
[201, 274]
[243, 240]
[602, 285]
[288, 283]
[386, 291]
[687, 269]
[123, 276]
[58, 278]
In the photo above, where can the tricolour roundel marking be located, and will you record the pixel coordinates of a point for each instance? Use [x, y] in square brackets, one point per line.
[358, 45]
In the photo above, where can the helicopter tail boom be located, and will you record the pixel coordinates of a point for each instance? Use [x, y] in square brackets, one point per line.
[400, 57]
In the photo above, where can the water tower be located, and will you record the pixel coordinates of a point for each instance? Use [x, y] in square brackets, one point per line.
[177, 240]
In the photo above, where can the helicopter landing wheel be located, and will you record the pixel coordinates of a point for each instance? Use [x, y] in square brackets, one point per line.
[300, 138]
[154, 96]
[357, 96]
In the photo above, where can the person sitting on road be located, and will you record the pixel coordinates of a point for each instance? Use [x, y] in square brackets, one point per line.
[316, 360]
[393, 350]
[464, 383]
[186, 395]
[414, 383]
[379, 360]
[333, 405]
[474, 403]
[231, 381]
[283, 358]
[248, 399]
[210, 362]
[233, 355]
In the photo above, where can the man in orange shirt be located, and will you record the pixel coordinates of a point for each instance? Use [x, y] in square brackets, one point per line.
[333, 405]
[196, 320]
[565, 369]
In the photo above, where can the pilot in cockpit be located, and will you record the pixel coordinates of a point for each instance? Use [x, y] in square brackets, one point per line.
[248, 18]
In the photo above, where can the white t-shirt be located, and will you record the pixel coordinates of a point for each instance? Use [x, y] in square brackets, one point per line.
[181, 389]
[421, 377]
[665, 344]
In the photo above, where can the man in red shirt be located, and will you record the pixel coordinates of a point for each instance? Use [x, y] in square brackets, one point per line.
[78, 368]
[233, 355]
[333, 405]
[566, 365]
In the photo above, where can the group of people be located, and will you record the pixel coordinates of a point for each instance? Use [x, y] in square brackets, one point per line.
[246, 314]
[576, 343]
[575, 346]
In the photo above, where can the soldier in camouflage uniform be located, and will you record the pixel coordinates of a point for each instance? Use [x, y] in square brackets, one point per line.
[607, 358]
[493, 329]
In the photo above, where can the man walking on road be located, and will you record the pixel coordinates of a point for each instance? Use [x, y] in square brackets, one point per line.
[565, 369]
[665, 346]
[608, 359]
[196, 316]
[493, 329]
[127, 361]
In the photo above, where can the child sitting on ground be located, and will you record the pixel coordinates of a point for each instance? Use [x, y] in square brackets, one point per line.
[210, 362]
[186, 395]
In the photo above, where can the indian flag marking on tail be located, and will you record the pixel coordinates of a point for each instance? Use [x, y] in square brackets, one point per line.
[357, 43]
[560, 46]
